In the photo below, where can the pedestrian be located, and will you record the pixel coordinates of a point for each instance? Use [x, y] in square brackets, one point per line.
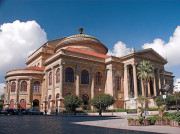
[56, 111]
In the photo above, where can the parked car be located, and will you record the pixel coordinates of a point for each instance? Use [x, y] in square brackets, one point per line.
[11, 111]
[2, 111]
[35, 112]
[25, 111]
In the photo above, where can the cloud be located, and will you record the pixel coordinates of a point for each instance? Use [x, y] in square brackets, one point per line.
[120, 49]
[170, 50]
[17, 41]
[2, 90]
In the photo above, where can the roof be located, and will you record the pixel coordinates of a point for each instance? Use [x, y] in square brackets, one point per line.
[86, 52]
[35, 68]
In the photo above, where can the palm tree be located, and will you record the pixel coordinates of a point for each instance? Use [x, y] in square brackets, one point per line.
[145, 73]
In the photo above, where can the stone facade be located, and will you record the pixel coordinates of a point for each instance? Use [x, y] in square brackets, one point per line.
[79, 65]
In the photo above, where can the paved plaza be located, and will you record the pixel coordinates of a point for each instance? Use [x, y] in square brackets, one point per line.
[75, 125]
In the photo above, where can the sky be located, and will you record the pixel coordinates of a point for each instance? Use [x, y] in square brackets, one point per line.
[25, 25]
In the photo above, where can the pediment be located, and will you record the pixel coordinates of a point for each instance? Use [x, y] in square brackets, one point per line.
[151, 55]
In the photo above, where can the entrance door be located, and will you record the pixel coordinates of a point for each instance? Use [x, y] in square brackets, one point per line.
[35, 104]
[85, 99]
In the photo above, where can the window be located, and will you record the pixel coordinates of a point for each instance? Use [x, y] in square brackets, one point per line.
[50, 78]
[24, 86]
[69, 75]
[118, 83]
[36, 87]
[13, 87]
[58, 75]
[98, 78]
[84, 77]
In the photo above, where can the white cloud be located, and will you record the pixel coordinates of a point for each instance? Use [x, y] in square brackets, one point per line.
[170, 50]
[2, 91]
[120, 49]
[17, 41]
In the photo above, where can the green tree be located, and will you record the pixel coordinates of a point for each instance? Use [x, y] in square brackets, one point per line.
[2, 97]
[72, 102]
[102, 101]
[141, 100]
[177, 98]
[170, 100]
[159, 101]
[145, 73]
[1, 101]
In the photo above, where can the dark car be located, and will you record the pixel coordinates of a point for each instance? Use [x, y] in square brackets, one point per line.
[25, 111]
[34, 112]
[11, 111]
[2, 111]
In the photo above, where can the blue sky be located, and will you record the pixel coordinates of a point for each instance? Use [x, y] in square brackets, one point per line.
[133, 22]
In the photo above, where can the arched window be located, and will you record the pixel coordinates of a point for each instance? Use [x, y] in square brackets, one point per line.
[13, 87]
[98, 78]
[69, 75]
[118, 83]
[36, 87]
[58, 75]
[24, 86]
[85, 77]
[50, 78]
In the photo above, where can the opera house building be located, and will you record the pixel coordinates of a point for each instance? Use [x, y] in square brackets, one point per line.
[79, 65]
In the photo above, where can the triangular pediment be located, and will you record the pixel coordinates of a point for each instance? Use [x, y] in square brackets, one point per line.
[151, 55]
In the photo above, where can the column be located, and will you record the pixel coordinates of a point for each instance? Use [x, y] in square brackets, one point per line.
[159, 78]
[135, 81]
[155, 87]
[30, 91]
[61, 80]
[42, 92]
[17, 92]
[45, 92]
[110, 80]
[92, 82]
[126, 87]
[8, 92]
[77, 79]
[53, 82]
[163, 78]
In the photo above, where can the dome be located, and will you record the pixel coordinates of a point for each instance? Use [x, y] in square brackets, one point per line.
[84, 42]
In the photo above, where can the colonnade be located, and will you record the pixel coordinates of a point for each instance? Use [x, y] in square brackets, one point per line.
[158, 81]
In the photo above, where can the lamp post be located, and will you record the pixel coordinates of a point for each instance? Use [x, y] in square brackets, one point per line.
[100, 111]
[45, 104]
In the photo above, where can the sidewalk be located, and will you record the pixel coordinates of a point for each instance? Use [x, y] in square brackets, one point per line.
[122, 123]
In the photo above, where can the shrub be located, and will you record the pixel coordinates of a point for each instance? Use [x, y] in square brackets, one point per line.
[153, 119]
[72, 102]
[140, 120]
[129, 118]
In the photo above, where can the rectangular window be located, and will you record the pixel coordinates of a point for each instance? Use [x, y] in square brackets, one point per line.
[118, 83]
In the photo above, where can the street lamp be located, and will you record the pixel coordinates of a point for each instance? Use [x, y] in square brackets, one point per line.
[100, 112]
[45, 104]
